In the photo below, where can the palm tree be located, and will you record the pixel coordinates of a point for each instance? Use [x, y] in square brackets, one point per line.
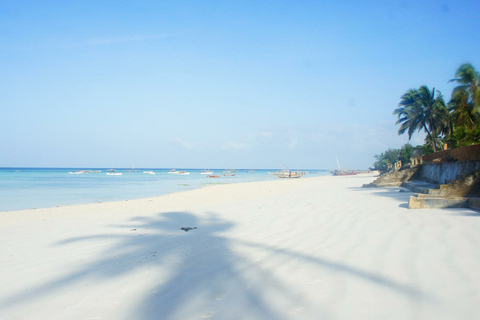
[469, 80]
[410, 114]
[421, 109]
[463, 111]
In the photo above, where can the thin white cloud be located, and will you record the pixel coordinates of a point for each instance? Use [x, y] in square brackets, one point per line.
[185, 144]
[243, 143]
[234, 145]
[267, 134]
[292, 143]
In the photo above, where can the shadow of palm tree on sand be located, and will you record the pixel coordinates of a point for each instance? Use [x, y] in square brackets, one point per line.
[203, 276]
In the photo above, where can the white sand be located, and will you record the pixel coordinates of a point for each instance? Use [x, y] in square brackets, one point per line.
[317, 248]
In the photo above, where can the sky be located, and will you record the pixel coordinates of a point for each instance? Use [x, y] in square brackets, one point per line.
[220, 84]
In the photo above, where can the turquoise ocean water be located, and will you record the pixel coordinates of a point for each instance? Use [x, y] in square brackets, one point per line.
[29, 188]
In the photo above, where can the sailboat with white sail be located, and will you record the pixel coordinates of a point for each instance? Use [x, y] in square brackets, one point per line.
[342, 172]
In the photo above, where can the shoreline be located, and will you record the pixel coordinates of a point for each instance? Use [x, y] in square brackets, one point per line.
[321, 247]
[44, 189]
[203, 186]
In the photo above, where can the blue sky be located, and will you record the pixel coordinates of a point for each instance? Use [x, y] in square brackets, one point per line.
[220, 84]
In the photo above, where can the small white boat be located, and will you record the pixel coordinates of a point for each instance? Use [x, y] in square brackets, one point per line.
[149, 172]
[291, 175]
[114, 173]
[183, 173]
[173, 171]
[76, 172]
[206, 172]
[288, 174]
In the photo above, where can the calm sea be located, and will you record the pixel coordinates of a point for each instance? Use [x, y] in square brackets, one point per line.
[28, 188]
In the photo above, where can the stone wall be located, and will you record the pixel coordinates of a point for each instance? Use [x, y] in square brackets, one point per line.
[444, 172]
[469, 153]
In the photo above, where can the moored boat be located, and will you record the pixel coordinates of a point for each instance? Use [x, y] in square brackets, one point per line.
[132, 170]
[342, 172]
[76, 172]
[114, 173]
[288, 174]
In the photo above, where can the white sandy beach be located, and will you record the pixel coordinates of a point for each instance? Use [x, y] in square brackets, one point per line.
[316, 248]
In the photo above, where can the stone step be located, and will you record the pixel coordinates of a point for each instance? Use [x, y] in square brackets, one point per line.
[427, 201]
[383, 184]
[419, 186]
[474, 203]
[441, 191]
[435, 192]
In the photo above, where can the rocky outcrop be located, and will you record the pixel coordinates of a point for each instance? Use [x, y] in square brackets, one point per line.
[393, 178]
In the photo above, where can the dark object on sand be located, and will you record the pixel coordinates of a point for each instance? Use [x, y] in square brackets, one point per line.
[187, 228]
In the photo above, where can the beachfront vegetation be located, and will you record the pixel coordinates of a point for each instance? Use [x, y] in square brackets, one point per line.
[453, 124]
[389, 157]
[423, 109]
[456, 123]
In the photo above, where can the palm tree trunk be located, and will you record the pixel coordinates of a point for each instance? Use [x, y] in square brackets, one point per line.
[430, 135]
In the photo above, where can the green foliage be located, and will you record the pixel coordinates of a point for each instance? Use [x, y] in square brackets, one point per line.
[464, 108]
[464, 137]
[469, 84]
[423, 109]
[393, 155]
[405, 153]
[384, 159]
[463, 111]
[427, 149]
